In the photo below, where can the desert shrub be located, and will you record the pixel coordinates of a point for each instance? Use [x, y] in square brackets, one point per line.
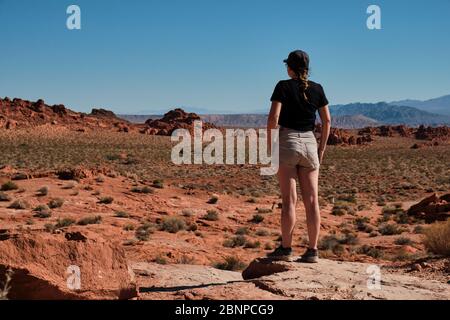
[160, 260]
[19, 205]
[113, 157]
[262, 233]
[236, 241]
[402, 255]
[100, 179]
[42, 211]
[242, 231]
[192, 227]
[403, 241]
[128, 227]
[264, 210]
[437, 238]
[173, 224]
[48, 227]
[335, 244]
[341, 208]
[121, 214]
[257, 218]
[402, 218]
[396, 209]
[230, 264]
[348, 238]
[213, 200]
[187, 213]
[42, 191]
[90, 220]
[211, 215]
[390, 229]
[4, 197]
[8, 186]
[106, 200]
[347, 198]
[370, 251]
[158, 183]
[144, 231]
[65, 222]
[56, 203]
[252, 244]
[251, 200]
[361, 224]
[144, 190]
[331, 243]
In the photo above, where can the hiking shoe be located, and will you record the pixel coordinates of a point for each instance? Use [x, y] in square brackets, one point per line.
[281, 253]
[310, 256]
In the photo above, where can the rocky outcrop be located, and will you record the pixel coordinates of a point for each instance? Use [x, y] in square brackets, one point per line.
[432, 133]
[268, 279]
[194, 282]
[103, 113]
[421, 133]
[172, 120]
[432, 208]
[339, 280]
[45, 266]
[345, 137]
[19, 113]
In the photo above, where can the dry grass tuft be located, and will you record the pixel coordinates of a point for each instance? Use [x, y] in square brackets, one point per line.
[437, 238]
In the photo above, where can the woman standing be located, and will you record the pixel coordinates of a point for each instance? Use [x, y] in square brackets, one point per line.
[294, 106]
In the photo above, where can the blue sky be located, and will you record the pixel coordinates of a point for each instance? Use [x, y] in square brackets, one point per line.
[221, 56]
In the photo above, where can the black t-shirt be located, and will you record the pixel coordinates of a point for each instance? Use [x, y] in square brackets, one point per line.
[296, 113]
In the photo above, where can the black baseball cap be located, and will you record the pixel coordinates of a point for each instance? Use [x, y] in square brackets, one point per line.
[297, 59]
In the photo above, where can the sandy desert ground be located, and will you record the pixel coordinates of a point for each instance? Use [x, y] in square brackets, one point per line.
[122, 188]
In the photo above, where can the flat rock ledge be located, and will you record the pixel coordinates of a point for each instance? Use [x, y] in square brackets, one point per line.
[330, 279]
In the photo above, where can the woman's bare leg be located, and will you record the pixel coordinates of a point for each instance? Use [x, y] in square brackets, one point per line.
[287, 177]
[309, 186]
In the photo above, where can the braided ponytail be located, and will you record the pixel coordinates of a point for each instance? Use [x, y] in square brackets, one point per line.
[302, 77]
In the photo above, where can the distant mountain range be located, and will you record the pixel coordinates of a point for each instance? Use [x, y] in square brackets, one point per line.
[439, 105]
[385, 113]
[433, 112]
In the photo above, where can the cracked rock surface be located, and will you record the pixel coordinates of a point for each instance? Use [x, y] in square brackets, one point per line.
[268, 279]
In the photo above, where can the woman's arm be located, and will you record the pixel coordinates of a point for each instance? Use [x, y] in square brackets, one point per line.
[272, 122]
[326, 126]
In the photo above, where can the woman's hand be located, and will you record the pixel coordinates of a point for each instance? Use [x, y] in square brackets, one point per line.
[321, 154]
[326, 127]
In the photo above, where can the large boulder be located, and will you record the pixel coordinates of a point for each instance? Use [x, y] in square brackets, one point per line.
[45, 266]
[432, 208]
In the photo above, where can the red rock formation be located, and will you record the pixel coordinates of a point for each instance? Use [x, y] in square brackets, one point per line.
[346, 137]
[19, 113]
[172, 120]
[104, 272]
[432, 208]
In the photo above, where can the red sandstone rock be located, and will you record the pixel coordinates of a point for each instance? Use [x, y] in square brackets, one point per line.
[172, 120]
[40, 264]
[432, 208]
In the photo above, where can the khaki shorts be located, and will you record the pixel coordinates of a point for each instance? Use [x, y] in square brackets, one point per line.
[298, 149]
